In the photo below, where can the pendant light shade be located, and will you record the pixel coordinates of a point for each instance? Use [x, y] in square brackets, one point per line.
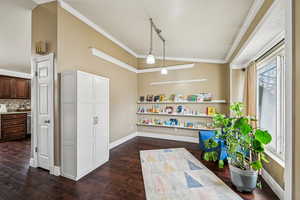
[150, 59]
[163, 71]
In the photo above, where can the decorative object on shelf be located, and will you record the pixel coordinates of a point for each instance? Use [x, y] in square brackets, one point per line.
[162, 98]
[245, 146]
[169, 109]
[192, 98]
[211, 111]
[149, 97]
[156, 98]
[142, 98]
[172, 97]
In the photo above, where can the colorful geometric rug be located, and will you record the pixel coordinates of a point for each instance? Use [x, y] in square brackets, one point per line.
[175, 174]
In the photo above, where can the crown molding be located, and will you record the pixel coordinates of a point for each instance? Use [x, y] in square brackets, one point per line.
[217, 61]
[42, 1]
[268, 46]
[87, 21]
[104, 56]
[15, 74]
[257, 4]
[113, 60]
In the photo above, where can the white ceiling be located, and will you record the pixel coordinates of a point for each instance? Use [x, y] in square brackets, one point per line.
[203, 29]
[268, 33]
[15, 35]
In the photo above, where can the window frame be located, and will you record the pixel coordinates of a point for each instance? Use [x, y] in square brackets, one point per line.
[279, 54]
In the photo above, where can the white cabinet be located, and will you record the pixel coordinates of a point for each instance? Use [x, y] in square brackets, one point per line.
[84, 123]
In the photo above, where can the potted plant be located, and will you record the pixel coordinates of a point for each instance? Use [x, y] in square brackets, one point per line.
[245, 146]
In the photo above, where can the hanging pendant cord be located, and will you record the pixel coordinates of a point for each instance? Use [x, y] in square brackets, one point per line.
[151, 33]
[164, 54]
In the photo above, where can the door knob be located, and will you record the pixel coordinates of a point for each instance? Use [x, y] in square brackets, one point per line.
[47, 121]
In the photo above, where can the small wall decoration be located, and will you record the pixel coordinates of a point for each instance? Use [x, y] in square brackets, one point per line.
[41, 47]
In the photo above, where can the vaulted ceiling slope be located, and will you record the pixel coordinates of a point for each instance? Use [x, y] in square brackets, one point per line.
[193, 29]
[15, 35]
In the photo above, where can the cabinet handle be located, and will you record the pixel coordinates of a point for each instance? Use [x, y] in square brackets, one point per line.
[47, 121]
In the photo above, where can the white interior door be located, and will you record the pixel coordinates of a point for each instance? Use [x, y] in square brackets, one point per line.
[101, 123]
[44, 110]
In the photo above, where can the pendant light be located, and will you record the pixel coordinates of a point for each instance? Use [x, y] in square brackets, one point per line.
[164, 70]
[150, 58]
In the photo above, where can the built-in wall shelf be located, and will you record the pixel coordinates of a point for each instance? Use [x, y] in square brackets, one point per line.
[180, 127]
[175, 114]
[184, 102]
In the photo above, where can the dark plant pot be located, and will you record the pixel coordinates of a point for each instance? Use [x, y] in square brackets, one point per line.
[243, 180]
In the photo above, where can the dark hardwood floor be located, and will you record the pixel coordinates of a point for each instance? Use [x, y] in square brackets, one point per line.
[119, 179]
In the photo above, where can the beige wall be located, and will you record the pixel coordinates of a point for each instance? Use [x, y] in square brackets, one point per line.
[217, 84]
[296, 157]
[44, 25]
[237, 85]
[70, 40]
[74, 40]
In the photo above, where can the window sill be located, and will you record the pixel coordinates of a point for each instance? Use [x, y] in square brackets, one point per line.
[275, 158]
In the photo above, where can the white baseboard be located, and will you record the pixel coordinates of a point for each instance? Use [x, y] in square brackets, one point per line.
[122, 140]
[169, 137]
[273, 184]
[32, 163]
[56, 171]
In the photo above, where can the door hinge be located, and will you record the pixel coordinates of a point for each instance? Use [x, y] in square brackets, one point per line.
[36, 149]
[36, 73]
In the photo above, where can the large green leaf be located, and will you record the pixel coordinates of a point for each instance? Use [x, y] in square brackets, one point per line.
[258, 146]
[263, 136]
[256, 165]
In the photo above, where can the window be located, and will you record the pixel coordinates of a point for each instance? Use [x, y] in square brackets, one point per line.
[270, 101]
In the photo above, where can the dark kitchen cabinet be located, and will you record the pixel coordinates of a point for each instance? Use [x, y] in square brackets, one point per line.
[13, 126]
[5, 87]
[14, 88]
[22, 88]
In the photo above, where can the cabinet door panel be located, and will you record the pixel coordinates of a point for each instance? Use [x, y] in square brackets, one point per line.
[22, 88]
[5, 87]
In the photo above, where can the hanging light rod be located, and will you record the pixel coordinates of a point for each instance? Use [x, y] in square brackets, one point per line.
[157, 30]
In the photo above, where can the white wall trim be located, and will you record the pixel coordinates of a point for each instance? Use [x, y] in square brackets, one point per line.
[158, 69]
[42, 1]
[122, 140]
[87, 21]
[179, 81]
[56, 171]
[218, 61]
[169, 137]
[124, 65]
[258, 27]
[273, 184]
[289, 103]
[257, 4]
[32, 163]
[113, 60]
[15, 74]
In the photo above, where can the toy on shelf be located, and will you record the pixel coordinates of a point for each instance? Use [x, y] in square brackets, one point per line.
[210, 110]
